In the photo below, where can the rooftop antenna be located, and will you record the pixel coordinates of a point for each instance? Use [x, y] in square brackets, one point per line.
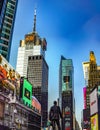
[34, 28]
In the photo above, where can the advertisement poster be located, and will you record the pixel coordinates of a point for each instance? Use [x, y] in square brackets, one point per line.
[94, 122]
[93, 102]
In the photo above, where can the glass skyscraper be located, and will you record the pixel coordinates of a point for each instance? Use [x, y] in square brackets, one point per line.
[7, 20]
[66, 93]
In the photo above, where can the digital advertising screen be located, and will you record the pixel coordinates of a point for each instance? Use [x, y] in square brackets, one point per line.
[84, 95]
[99, 91]
[36, 104]
[93, 102]
[94, 122]
[27, 92]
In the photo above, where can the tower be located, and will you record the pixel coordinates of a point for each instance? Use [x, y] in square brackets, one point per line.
[92, 76]
[31, 64]
[7, 20]
[66, 92]
[31, 45]
[92, 79]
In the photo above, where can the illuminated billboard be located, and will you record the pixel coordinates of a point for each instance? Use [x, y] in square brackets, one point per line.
[93, 102]
[36, 104]
[27, 92]
[84, 95]
[8, 76]
[94, 122]
[99, 91]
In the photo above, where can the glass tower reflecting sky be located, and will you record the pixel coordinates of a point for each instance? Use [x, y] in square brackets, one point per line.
[66, 93]
[7, 20]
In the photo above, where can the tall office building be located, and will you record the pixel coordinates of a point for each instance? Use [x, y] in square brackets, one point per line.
[66, 93]
[37, 74]
[93, 76]
[7, 20]
[31, 64]
[92, 79]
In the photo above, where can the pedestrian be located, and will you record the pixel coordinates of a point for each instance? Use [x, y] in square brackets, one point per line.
[49, 125]
[55, 115]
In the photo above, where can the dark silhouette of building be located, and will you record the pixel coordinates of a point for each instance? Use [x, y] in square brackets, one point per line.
[37, 74]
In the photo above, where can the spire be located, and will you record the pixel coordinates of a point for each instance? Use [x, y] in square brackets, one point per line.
[92, 57]
[34, 28]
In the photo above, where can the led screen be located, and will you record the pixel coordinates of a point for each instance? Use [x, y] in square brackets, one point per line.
[27, 92]
[93, 102]
[94, 122]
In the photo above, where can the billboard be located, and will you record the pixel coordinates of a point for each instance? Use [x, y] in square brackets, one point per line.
[27, 92]
[84, 96]
[93, 102]
[67, 108]
[94, 122]
[36, 104]
[8, 76]
[99, 91]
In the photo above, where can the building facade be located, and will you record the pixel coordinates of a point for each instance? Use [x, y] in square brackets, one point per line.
[18, 109]
[92, 78]
[31, 64]
[7, 20]
[66, 93]
[37, 74]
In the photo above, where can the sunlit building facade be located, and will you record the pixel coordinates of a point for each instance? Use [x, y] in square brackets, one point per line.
[92, 76]
[31, 64]
[7, 20]
[92, 79]
[86, 72]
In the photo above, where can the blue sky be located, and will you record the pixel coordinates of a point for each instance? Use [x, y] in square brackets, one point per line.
[71, 28]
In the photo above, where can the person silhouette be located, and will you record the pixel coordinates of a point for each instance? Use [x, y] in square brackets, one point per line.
[55, 115]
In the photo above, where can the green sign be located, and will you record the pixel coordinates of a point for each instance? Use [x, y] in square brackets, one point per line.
[27, 92]
[98, 91]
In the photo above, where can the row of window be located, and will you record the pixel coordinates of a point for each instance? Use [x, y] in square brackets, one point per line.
[9, 15]
[9, 5]
[94, 76]
[10, 11]
[3, 42]
[35, 57]
[4, 35]
[6, 30]
[7, 25]
[3, 48]
[12, 2]
[3, 53]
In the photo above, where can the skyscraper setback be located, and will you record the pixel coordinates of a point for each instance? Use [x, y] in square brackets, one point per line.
[31, 64]
[7, 20]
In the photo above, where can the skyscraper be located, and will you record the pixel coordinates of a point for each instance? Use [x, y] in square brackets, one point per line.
[66, 92]
[93, 76]
[37, 74]
[7, 20]
[31, 64]
[92, 79]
